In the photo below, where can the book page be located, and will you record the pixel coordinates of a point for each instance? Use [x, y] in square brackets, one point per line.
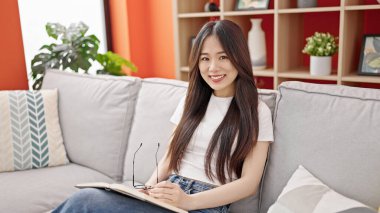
[123, 189]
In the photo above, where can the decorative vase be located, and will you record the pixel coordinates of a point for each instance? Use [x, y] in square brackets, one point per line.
[320, 65]
[306, 3]
[257, 45]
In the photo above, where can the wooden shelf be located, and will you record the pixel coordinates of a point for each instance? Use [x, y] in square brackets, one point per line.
[306, 75]
[361, 79]
[247, 13]
[286, 28]
[309, 10]
[264, 73]
[363, 7]
[196, 15]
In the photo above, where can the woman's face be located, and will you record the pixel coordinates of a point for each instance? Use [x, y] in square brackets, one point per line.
[216, 68]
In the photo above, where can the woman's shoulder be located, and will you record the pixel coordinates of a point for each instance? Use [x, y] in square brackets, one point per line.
[263, 107]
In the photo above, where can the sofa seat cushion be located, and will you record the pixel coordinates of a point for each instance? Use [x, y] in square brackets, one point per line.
[30, 133]
[40, 190]
[331, 130]
[96, 114]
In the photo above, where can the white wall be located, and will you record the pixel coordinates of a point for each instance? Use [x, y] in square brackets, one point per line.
[34, 14]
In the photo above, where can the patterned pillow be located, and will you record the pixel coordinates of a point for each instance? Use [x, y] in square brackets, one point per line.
[305, 193]
[30, 134]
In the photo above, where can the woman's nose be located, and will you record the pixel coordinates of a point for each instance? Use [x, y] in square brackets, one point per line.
[213, 65]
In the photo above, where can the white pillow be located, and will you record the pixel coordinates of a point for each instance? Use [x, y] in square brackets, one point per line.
[304, 193]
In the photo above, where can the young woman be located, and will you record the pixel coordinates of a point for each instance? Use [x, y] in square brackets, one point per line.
[218, 150]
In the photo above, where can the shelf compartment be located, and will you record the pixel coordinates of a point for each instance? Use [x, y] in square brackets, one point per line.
[264, 82]
[288, 4]
[267, 26]
[188, 28]
[361, 2]
[230, 5]
[193, 6]
[292, 40]
[357, 23]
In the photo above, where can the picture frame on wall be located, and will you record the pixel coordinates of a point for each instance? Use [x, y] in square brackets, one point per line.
[252, 4]
[369, 63]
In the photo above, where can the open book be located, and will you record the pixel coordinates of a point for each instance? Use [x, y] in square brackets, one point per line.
[127, 191]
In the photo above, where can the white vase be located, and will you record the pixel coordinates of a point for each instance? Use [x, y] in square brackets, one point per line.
[256, 45]
[320, 65]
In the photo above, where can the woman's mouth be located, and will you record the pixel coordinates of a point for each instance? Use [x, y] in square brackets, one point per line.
[217, 78]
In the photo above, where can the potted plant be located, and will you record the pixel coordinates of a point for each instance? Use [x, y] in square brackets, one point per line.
[75, 51]
[321, 47]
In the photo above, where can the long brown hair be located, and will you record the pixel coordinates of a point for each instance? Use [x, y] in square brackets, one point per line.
[241, 120]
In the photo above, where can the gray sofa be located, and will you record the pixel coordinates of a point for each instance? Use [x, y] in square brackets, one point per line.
[334, 131]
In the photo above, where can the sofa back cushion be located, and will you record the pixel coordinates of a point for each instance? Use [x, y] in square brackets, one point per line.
[156, 102]
[96, 114]
[30, 134]
[331, 130]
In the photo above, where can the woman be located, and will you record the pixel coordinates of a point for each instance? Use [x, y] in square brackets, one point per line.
[221, 141]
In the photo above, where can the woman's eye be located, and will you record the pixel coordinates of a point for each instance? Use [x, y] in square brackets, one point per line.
[204, 59]
[223, 57]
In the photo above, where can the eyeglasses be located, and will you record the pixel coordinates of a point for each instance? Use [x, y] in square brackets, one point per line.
[140, 186]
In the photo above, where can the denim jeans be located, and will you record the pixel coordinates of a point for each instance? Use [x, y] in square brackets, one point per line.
[91, 200]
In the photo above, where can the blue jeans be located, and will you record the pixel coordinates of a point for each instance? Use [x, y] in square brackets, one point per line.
[91, 200]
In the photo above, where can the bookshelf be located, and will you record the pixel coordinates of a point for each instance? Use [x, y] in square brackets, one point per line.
[286, 28]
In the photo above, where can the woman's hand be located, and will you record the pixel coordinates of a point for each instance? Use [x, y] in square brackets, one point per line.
[172, 194]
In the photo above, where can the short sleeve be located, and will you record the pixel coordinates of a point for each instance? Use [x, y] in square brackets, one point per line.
[177, 115]
[265, 123]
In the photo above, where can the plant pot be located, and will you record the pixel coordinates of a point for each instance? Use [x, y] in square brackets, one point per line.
[320, 65]
[306, 3]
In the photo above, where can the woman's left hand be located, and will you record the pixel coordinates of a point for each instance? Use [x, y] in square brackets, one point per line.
[171, 193]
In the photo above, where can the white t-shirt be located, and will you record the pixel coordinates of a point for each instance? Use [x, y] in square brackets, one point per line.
[192, 165]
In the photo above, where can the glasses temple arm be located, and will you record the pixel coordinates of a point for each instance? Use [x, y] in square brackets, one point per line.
[133, 165]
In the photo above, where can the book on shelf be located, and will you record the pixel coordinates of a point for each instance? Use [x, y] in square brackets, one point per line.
[130, 192]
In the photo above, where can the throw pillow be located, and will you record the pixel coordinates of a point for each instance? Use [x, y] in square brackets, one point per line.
[30, 134]
[305, 193]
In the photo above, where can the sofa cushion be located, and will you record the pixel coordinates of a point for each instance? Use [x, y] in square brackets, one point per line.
[305, 193]
[251, 204]
[96, 114]
[156, 102]
[40, 190]
[30, 134]
[334, 132]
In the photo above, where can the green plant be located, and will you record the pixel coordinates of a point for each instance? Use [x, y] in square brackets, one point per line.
[75, 51]
[321, 44]
[112, 63]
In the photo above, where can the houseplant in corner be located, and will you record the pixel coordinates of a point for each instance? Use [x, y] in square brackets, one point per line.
[321, 47]
[75, 51]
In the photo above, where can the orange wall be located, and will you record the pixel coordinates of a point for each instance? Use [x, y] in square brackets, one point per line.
[12, 62]
[151, 37]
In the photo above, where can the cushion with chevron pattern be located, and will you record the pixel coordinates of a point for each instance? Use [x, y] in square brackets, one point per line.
[30, 134]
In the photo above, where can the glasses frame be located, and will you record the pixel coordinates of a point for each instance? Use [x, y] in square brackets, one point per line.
[140, 186]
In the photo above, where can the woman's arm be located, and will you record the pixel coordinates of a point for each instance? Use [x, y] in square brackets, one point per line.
[163, 171]
[245, 186]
